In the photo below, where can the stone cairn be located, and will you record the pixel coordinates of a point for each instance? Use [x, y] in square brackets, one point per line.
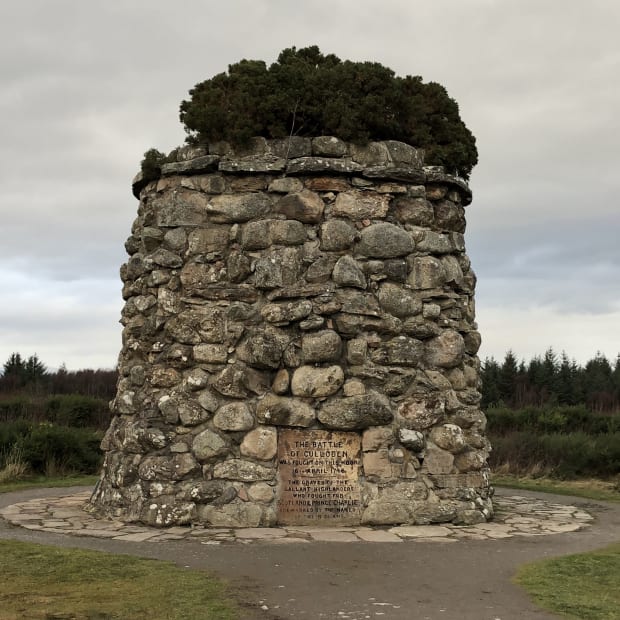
[299, 343]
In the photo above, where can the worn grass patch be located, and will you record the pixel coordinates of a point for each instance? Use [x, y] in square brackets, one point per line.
[37, 482]
[591, 489]
[583, 586]
[47, 582]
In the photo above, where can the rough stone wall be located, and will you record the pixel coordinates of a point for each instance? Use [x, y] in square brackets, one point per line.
[306, 284]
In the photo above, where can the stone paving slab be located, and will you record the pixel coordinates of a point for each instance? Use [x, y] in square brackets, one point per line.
[515, 516]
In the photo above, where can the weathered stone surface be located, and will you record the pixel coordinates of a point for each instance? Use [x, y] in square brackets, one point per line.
[208, 445]
[233, 417]
[337, 235]
[385, 240]
[438, 461]
[356, 412]
[207, 240]
[445, 351]
[211, 353]
[399, 301]
[239, 469]
[261, 443]
[348, 273]
[286, 185]
[420, 414]
[281, 411]
[449, 437]
[377, 438]
[230, 208]
[324, 346]
[359, 205]
[426, 272]
[309, 381]
[235, 514]
[180, 208]
[239, 381]
[306, 165]
[413, 440]
[416, 211]
[263, 349]
[286, 312]
[304, 206]
[328, 146]
[399, 351]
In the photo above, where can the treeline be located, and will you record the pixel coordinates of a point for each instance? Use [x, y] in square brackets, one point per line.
[551, 380]
[29, 376]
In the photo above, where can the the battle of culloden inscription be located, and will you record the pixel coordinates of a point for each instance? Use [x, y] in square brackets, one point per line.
[318, 477]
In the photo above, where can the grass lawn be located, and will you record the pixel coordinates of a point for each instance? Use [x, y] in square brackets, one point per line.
[591, 489]
[78, 584]
[582, 586]
[35, 482]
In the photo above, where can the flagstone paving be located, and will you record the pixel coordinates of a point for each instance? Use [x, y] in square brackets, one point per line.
[515, 516]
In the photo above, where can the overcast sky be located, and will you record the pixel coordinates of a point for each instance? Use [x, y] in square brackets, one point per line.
[88, 87]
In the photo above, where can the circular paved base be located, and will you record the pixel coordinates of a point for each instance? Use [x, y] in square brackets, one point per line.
[514, 516]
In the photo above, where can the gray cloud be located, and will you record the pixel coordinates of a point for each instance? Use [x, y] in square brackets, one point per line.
[90, 87]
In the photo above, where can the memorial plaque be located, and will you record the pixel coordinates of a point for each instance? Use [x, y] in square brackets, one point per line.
[318, 478]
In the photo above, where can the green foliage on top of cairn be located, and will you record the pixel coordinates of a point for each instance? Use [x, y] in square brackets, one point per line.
[311, 94]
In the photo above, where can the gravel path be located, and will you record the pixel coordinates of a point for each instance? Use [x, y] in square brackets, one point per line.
[350, 573]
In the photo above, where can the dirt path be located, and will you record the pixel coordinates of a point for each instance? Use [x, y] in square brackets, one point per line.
[414, 580]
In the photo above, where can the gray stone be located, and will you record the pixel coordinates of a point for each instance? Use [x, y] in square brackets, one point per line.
[233, 417]
[328, 146]
[324, 346]
[321, 269]
[446, 350]
[436, 243]
[208, 240]
[426, 272]
[304, 206]
[261, 443]
[438, 461]
[208, 445]
[286, 312]
[421, 413]
[337, 235]
[399, 301]
[230, 208]
[348, 273]
[263, 348]
[287, 232]
[385, 240]
[356, 412]
[448, 437]
[286, 185]
[360, 205]
[305, 165]
[416, 211]
[239, 381]
[309, 381]
[380, 512]
[235, 514]
[245, 471]
[163, 258]
[399, 351]
[210, 353]
[180, 208]
[412, 440]
[196, 379]
[280, 411]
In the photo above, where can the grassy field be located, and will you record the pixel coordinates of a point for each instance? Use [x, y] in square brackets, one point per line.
[70, 583]
[589, 488]
[37, 482]
[582, 586]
